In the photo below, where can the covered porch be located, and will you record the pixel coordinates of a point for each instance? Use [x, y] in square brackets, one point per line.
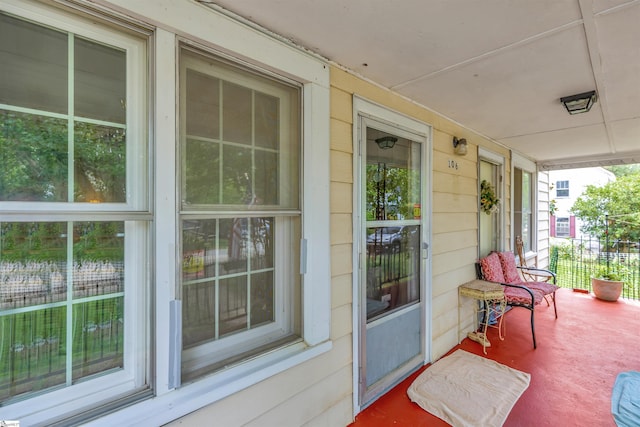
[471, 92]
[572, 371]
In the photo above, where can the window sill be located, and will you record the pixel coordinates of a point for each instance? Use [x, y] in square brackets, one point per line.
[174, 404]
[531, 258]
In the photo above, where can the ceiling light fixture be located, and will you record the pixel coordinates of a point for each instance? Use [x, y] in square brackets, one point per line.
[460, 146]
[580, 103]
[386, 142]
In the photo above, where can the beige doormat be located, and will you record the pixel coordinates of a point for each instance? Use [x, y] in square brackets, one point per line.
[468, 390]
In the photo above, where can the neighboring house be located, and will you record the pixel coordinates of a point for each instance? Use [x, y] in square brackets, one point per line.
[189, 210]
[567, 186]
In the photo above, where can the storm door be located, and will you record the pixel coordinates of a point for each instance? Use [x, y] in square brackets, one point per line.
[392, 257]
[490, 223]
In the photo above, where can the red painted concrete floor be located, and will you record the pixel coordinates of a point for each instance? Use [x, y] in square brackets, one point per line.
[572, 371]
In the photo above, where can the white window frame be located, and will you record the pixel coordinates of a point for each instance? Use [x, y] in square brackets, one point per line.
[254, 85]
[563, 220]
[136, 113]
[563, 188]
[134, 376]
[202, 355]
[521, 162]
[226, 34]
[498, 161]
[418, 131]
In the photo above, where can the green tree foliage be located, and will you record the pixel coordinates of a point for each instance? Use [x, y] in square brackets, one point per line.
[620, 200]
[624, 170]
[99, 163]
[395, 189]
[34, 154]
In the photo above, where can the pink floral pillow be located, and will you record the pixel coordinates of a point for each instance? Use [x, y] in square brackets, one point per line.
[491, 268]
[509, 269]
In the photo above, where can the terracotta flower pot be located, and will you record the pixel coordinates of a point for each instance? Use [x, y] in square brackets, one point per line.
[607, 290]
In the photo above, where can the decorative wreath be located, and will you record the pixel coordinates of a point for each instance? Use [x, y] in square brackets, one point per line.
[488, 199]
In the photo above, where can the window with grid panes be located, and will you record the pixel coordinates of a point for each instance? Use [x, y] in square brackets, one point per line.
[562, 227]
[522, 209]
[73, 212]
[240, 211]
[562, 189]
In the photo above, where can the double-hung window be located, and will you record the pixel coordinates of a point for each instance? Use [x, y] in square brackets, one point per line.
[563, 228]
[74, 214]
[562, 189]
[240, 211]
[524, 201]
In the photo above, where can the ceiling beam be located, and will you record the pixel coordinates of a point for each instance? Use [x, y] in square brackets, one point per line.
[591, 34]
[627, 158]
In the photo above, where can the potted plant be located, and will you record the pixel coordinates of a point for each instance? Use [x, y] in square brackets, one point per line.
[606, 284]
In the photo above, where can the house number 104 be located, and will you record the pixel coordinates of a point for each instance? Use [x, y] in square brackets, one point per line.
[453, 164]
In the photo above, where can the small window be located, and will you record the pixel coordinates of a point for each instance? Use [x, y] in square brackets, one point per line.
[562, 189]
[562, 227]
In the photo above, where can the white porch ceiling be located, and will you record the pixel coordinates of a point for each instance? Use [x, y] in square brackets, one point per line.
[498, 67]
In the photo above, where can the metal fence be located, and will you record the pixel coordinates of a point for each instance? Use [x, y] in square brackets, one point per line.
[581, 259]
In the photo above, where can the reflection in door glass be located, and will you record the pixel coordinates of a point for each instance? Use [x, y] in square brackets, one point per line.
[393, 180]
[393, 248]
[393, 268]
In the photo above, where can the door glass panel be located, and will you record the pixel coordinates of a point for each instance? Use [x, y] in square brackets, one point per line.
[393, 210]
[489, 221]
[393, 268]
[393, 180]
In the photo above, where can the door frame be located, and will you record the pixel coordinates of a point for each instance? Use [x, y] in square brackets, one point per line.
[368, 109]
[521, 162]
[497, 160]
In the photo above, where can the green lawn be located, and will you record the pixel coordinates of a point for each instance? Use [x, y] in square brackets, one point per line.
[34, 350]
